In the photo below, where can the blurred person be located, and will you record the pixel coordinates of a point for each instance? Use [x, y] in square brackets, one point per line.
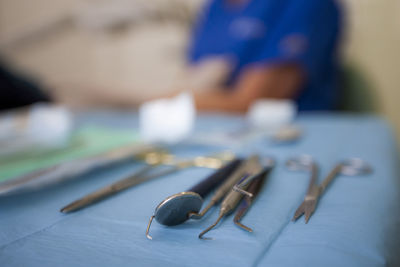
[243, 50]
[276, 49]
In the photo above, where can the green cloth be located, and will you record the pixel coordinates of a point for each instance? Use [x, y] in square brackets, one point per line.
[84, 142]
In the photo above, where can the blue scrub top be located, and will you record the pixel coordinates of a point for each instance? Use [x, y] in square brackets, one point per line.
[304, 32]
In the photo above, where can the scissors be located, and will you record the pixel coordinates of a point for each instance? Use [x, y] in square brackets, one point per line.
[348, 167]
[146, 173]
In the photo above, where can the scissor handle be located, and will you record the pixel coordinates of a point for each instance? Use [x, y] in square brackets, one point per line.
[355, 166]
[215, 179]
[300, 163]
[304, 163]
[349, 167]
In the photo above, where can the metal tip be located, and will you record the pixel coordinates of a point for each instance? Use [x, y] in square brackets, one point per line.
[299, 212]
[148, 228]
[71, 207]
[244, 227]
[209, 228]
[296, 217]
[205, 238]
[309, 209]
[244, 206]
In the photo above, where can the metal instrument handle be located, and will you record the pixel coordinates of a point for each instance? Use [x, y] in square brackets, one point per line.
[244, 168]
[313, 179]
[215, 179]
[332, 174]
[254, 189]
[135, 179]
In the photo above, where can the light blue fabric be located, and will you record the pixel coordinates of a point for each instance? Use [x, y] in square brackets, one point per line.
[357, 221]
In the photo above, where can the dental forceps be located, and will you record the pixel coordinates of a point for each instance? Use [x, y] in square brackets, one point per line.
[223, 189]
[233, 198]
[349, 167]
[153, 159]
[305, 163]
[176, 209]
[255, 185]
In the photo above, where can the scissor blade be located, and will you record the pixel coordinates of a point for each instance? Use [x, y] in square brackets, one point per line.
[309, 208]
[300, 211]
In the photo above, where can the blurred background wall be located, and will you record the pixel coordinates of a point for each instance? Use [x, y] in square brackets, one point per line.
[139, 44]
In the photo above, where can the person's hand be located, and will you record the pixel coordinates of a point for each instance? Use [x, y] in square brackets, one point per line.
[208, 74]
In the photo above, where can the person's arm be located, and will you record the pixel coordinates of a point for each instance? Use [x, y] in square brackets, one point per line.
[255, 82]
[305, 35]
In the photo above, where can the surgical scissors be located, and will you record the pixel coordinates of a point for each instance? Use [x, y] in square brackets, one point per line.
[305, 163]
[349, 167]
[145, 174]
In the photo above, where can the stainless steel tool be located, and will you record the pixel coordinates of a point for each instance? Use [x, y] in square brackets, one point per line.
[227, 186]
[255, 184]
[349, 167]
[232, 199]
[176, 209]
[145, 174]
[305, 163]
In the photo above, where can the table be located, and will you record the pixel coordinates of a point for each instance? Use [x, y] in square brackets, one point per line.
[357, 222]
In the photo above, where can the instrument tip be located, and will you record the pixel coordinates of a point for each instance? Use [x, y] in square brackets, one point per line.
[205, 238]
[148, 228]
[244, 227]
[66, 209]
[74, 206]
[209, 228]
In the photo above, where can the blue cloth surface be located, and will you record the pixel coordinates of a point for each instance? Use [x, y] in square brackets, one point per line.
[275, 32]
[356, 223]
